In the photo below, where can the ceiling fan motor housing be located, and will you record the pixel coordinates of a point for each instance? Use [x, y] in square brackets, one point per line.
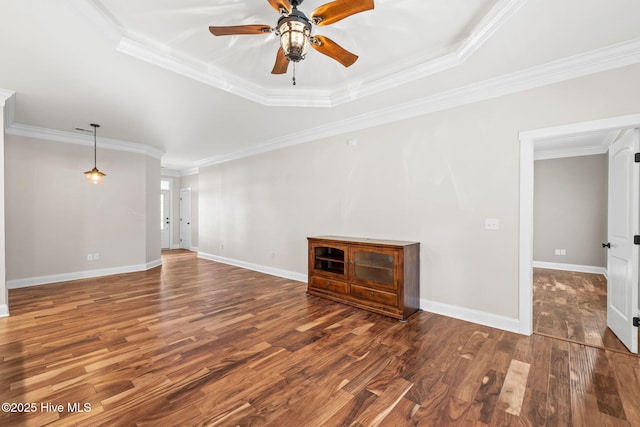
[295, 35]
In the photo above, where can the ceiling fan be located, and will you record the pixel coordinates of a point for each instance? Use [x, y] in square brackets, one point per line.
[294, 30]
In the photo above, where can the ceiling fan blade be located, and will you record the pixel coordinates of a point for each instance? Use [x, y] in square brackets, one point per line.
[340, 9]
[282, 63]
[280, 5]
[334, 50]
[240, 29]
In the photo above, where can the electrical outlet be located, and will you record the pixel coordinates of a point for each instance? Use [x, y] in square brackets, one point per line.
[89, 257]
[96, 256]
[563, 251]
[557, 251]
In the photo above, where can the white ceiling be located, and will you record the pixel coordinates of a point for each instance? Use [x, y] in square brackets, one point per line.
[150, 72]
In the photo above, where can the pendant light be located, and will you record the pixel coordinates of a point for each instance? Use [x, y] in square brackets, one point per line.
[94, 176]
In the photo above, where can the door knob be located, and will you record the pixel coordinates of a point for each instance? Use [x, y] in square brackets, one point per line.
[606, 245]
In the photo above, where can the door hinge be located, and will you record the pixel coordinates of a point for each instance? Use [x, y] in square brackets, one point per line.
[636, 322]
[637, 157]
[636, 240]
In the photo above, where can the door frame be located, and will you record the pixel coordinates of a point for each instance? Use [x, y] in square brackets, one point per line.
[527, 144]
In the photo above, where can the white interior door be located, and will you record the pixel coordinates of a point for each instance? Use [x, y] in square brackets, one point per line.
[165, 219]
[185, 218]
[622, 259]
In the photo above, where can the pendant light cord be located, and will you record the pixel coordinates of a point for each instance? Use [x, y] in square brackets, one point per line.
[95, 148]
[95, 145]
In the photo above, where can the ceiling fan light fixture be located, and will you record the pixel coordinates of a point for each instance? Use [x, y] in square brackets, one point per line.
[295, 35]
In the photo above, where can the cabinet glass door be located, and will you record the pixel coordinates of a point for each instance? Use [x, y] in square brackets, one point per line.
[374, 266]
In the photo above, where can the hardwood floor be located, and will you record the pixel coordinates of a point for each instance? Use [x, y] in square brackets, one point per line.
[200, 343]
[573, 306]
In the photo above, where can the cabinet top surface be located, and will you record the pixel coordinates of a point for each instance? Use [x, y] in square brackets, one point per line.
[342, 239]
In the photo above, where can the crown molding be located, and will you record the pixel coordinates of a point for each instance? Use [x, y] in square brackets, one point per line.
[379, 81]
[81, 139]
[5, 95]
[173, 173]
[169, 173]
[8, 102]
[498, 15]
[599, 60]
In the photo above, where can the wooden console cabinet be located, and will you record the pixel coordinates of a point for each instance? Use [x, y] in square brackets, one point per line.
[382, 276]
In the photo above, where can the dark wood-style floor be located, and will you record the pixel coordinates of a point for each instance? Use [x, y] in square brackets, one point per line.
[572, 306]
[200, 343]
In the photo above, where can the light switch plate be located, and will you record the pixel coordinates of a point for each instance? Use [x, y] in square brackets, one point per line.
[491, 224]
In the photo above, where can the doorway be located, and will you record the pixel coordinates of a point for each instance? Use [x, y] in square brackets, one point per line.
[528, 141]
[570, 225]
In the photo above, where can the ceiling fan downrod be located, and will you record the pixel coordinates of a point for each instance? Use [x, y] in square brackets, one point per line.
[294, 73]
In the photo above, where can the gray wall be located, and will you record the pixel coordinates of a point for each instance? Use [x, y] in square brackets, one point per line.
[153, 238]
[570, 210]
[54, 218]
[432, 179]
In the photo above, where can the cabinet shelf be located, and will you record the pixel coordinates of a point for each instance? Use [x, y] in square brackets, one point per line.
[332, 259]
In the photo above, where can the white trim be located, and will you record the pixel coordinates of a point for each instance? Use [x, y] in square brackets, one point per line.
[82, 139]
[6, 94]
[190, 171]
[154, 53]
[569, 152]
[525, 294]
[169, 173]
[499, 14]
[492, 320]
[570, 267]
[527, 142]
[7, 101]
[4, 310]
[599, 60]
[291, 275]
[87, 274]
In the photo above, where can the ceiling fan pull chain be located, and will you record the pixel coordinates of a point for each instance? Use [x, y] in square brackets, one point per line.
[294, 73]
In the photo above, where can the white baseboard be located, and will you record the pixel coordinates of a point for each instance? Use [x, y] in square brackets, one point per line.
[4, 310]
[87, 274]
[487, 319]
[470, 315]
[570, 267]
[256, 267]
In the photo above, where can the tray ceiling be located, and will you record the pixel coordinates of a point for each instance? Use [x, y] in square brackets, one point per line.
[398, 41]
